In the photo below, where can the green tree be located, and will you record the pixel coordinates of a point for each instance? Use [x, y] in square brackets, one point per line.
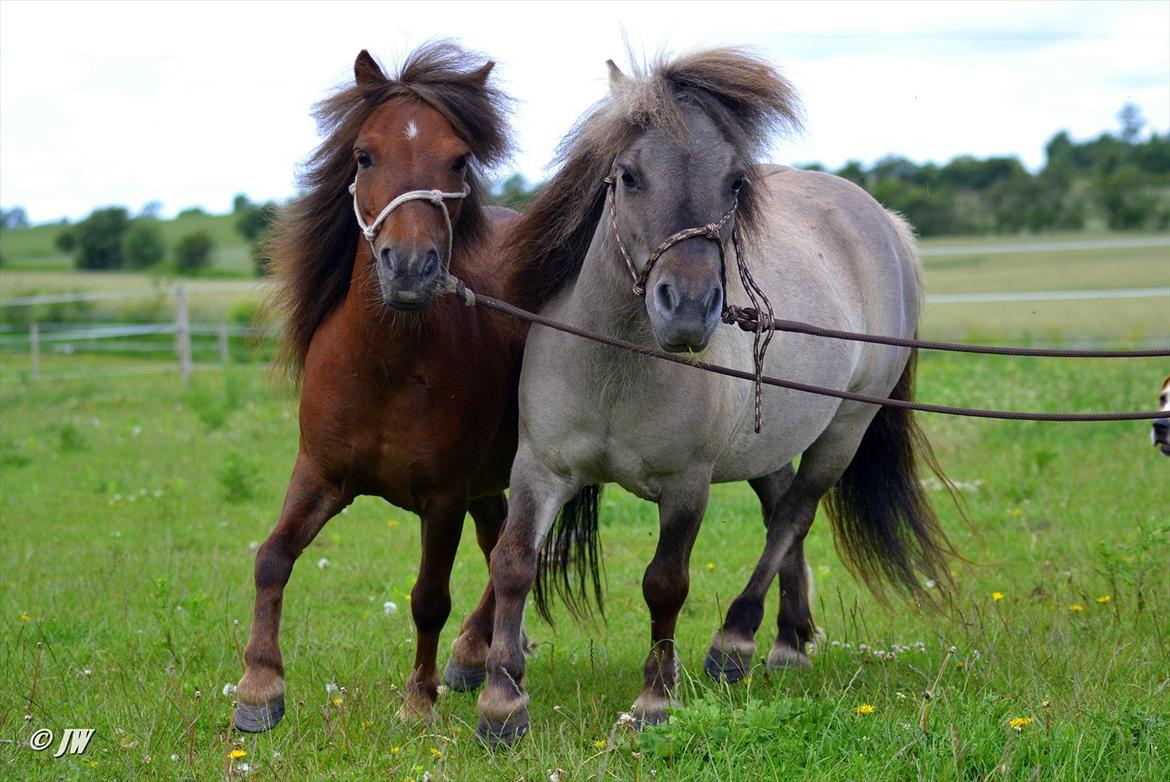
[193, 251]
[143, 246]
[99, 238]
[254, 220]
[516, 193]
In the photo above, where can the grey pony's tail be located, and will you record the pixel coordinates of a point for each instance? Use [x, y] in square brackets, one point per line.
[569, 563]
[884, 527]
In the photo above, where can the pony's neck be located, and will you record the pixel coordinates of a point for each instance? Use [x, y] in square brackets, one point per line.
[602, 295]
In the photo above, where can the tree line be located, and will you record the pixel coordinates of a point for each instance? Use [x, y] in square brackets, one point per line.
[1119, 180]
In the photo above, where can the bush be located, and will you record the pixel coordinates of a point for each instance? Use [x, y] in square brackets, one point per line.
[193, 251]
[99, 238]
[143, 246]
[66, 241]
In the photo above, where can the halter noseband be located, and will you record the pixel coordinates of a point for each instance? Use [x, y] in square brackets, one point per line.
[436, 197]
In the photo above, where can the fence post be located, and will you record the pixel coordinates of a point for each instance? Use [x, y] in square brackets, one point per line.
[182, 333]
[224, 355]
[34, 344]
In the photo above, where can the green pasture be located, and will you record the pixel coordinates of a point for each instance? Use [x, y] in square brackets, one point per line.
[129, 509]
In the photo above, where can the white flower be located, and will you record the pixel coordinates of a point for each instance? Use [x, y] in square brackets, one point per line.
[137, 430]
[389, 607]
[253, 545]
[174, 758]
[625, 718]
[331, 688]
[230, 690]
[560, 775]
[322, 563]
[243, 769]
[443, 689]
[87, 671]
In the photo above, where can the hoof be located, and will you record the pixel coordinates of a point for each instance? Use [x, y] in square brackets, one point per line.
[258, 719]
[503, 734]
[462, 679]
[722, 666]
[643, 720]
[783, 657]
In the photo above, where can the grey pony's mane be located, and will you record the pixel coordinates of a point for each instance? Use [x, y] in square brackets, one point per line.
[741, 92]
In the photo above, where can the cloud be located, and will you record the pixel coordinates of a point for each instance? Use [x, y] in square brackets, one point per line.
[190, 103]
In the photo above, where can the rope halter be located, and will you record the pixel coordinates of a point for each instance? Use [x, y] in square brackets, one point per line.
[436, 197]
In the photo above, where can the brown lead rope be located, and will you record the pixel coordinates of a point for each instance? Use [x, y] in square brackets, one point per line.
[471, 298]
[747, 319]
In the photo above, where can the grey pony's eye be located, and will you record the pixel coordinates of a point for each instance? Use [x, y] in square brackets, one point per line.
[738, 184]
[628, 180]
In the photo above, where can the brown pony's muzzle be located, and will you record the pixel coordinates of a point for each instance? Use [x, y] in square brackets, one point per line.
[407, 276]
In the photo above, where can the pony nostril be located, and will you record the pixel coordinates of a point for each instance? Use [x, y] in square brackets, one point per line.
[714, 302]
[387, 257]
[664, 298]
[430, 264]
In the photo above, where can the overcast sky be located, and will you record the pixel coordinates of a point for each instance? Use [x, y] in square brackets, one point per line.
[190, 103]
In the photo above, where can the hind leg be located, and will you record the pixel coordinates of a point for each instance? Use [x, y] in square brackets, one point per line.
[467, 667]
[825, 461]
[309, 503]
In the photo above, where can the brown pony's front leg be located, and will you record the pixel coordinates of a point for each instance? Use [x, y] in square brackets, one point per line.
[466, 670]
[430, 602]
[309, 502]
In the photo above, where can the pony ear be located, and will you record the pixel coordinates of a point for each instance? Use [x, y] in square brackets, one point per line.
[617, 79]
[480, 74]
[366, 71]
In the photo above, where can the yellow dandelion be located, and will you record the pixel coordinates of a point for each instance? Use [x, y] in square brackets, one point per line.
[236, 754]
[960, 665]
[366, 724]
[1103, 599]
[436, 752]
[337, 701]
[395, 750]
[406, 597]
[392, 523]
[1016, 512]
[24, 617]
[711, 566]
[1076, 608]
[1019, 723]
[600, 743]
[865, 709]
[997, 596]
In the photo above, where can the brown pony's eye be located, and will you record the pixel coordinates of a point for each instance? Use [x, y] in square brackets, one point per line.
[363, 159]
[460, 165]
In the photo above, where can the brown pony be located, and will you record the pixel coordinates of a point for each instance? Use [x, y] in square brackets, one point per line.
[406, 398]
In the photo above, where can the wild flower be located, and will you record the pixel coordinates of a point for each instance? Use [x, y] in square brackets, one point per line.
[24, 617]
[337, 701]
[322, 563]
[1103, 599]
[997, 596]
[229, 690]
[865, 709]
[711, 566]
[436, 753]
[1076, 608]
[600, 744]
[1019, 723]
[237, 753]
[395, 750]
[389, 608]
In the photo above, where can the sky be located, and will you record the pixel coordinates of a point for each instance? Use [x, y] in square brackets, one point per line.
[106, 103]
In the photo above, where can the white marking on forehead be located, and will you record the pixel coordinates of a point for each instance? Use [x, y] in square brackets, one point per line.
[411, 130]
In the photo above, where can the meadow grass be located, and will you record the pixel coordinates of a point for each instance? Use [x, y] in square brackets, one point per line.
[129, 510]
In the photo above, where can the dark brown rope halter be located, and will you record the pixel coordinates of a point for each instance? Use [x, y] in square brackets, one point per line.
[712, 232]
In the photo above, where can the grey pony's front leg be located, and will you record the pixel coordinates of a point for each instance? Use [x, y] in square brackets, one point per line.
[665, 586]
[537, 495]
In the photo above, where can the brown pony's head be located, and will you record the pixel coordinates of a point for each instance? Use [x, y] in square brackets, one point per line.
[1160, 434]
[435, 125]
[406, 146]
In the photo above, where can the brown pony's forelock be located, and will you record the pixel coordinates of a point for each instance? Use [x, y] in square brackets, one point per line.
[742, 93]
[314, 241]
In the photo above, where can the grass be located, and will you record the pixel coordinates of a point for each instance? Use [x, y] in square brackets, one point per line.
[129, 509]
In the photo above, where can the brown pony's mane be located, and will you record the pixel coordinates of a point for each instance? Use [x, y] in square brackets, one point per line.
[313, 245]
[742, 93]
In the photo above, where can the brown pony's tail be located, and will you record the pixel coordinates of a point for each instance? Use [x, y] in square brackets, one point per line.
[883, 525]
[570, 559]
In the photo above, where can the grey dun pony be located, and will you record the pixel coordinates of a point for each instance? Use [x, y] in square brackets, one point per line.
[676, 147]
